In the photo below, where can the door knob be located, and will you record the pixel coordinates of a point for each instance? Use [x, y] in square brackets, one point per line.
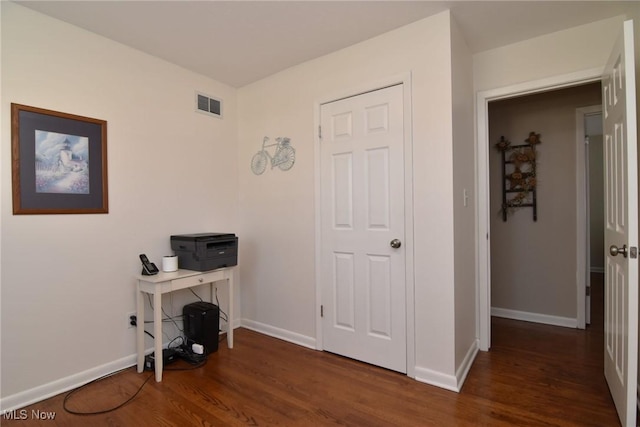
[614, 250]
[395, 243]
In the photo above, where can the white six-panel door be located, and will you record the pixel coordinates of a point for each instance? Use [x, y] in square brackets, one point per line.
[621, 227]
[362, 195]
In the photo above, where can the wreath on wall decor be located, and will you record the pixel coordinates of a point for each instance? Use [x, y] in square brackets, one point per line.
[519, 179]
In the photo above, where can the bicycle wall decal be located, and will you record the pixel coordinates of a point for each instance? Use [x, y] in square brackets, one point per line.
[283, 157]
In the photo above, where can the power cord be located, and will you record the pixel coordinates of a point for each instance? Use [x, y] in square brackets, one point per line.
[72, 392]
[183, 352]
[196, 360]
[197, 296]
[167, 317]
[223, 315]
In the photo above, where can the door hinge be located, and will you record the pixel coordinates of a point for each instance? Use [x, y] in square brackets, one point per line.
[320, 132]
[322, 311]
[588, 291]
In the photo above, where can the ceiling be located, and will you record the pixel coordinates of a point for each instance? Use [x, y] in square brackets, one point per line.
[239, 42]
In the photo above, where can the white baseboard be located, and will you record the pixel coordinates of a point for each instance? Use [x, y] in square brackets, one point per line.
[465, 366]
[438, 379]
[449, 382]
[428, 376]
[547, 319]
[45, 391]
[282, 334]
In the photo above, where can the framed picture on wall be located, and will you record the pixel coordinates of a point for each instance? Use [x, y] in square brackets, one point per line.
[58, 162]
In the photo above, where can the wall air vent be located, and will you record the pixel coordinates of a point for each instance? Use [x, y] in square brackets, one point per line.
[208, 105]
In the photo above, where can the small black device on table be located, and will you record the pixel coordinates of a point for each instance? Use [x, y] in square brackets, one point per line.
[148, 268]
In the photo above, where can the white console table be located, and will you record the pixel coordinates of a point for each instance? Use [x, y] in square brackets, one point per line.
[163, 283]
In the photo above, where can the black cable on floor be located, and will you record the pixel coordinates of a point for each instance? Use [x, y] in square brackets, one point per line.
[72, 392]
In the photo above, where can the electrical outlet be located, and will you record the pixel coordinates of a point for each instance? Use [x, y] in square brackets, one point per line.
[131, 315]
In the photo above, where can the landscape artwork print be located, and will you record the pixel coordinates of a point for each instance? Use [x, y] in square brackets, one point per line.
[61, 163]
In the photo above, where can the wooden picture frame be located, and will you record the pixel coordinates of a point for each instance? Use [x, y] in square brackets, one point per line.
[58, 162]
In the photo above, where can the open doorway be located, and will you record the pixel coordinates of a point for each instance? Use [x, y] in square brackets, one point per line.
[590, 147]
[535, 260]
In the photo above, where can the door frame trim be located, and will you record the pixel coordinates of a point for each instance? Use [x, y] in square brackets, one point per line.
[583, 259]
[483, 214]
[403, 79]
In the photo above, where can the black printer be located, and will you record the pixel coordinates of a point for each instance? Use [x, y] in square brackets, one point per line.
[205, 251]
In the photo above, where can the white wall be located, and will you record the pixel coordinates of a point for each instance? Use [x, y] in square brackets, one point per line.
[464, 209]
[277, 209]
[563, 52]
[68, 280]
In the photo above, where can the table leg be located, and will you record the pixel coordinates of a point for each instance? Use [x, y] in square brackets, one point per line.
[230, 320]
[140, 328]
[157, 333]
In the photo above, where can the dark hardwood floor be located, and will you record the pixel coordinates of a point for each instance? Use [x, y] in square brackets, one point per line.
[534, 375]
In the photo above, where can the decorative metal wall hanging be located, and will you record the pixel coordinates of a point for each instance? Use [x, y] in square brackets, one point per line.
[284, 156]
[519, 180]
